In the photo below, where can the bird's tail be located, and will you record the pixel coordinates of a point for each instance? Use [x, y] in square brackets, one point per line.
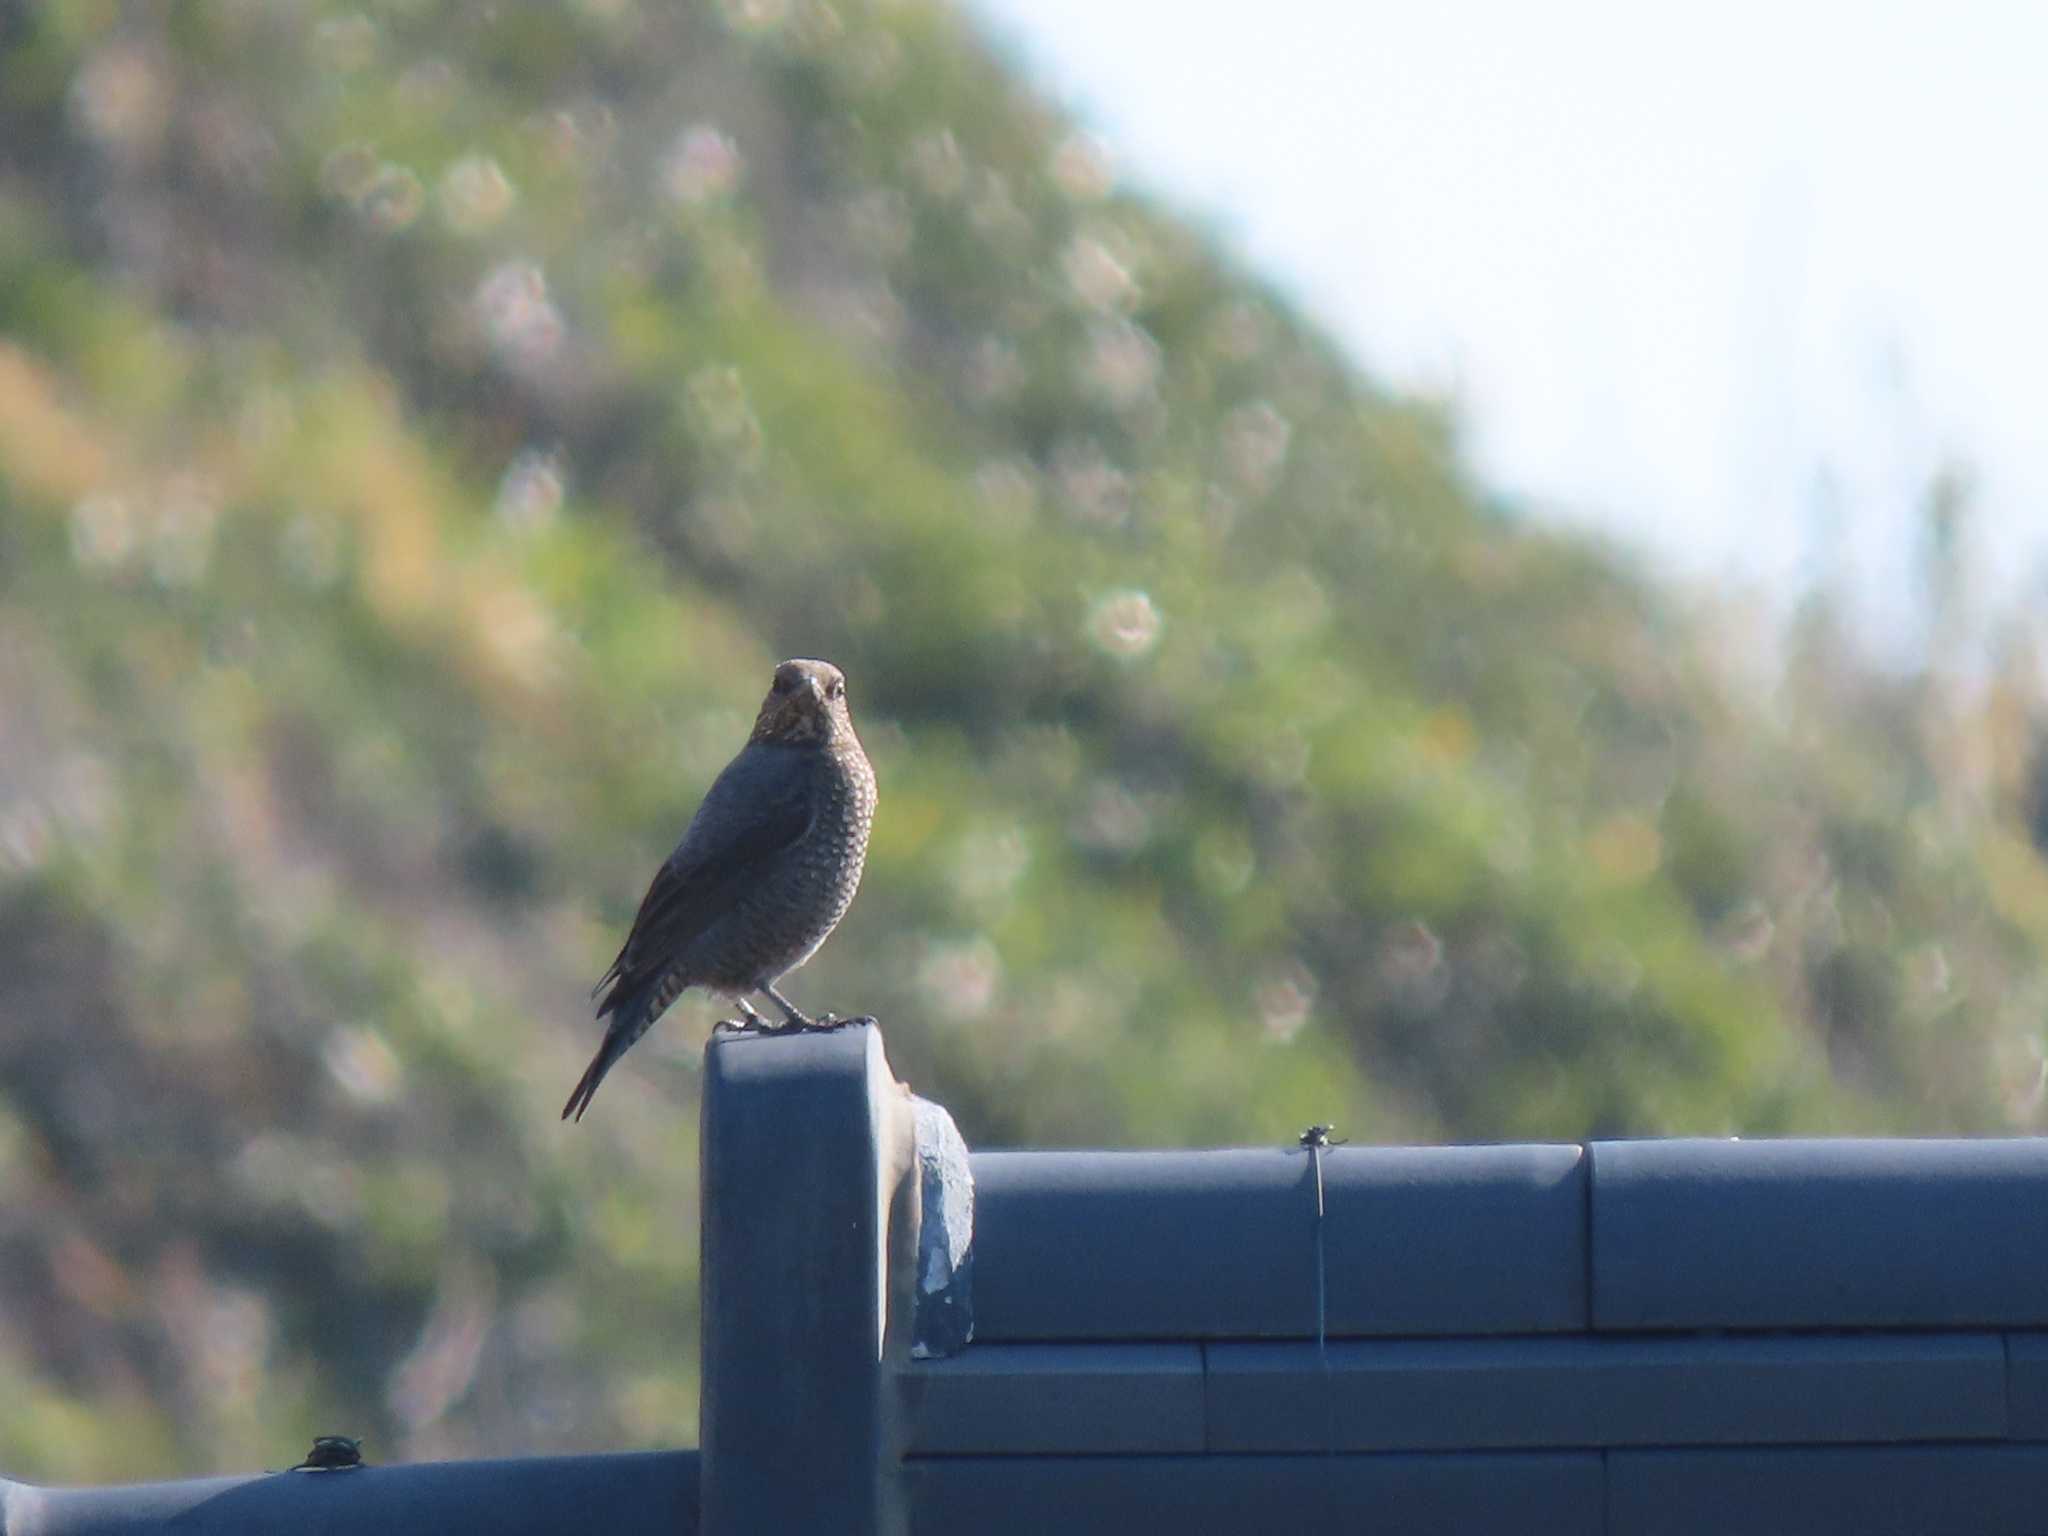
[628, 1025]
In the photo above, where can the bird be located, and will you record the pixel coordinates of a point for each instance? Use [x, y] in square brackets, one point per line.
[767, 868]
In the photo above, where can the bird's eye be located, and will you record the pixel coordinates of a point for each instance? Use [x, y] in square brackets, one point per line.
[835, 690]
[780, 685]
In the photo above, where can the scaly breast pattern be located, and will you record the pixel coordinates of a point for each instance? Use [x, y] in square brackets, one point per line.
[799, 897]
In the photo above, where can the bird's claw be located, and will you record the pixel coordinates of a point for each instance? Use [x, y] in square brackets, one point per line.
[756, 1025]
[827, 1023]
[824, 1024]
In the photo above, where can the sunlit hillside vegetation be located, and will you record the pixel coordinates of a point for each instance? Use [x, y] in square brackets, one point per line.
[423, 426]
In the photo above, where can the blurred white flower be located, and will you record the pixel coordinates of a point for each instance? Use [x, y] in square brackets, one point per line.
[961, 978]
[1121, 364]
[1255, 441]
[715, 398]
[1112, 819]
[181, 540]
[1125, 622]
[1284, 999]
[1080, 168]
[878, 223]
[530, 492]
[362, 1063]
[989, 861]
[309, 546]
[475, 194]
[345, 44]
[759, 17]
[346, 171]
[517, 315]
[994, 371]
[1094, 489]
[25, 836]
[393, 199]
[119, 99]
[102, 531]
[1098, 279]
[1410, 954]
[934, 160]
[702, 164]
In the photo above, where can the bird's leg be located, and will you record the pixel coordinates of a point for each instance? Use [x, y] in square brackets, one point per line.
[749, 1022]
[795, 1017]
[798, 1023]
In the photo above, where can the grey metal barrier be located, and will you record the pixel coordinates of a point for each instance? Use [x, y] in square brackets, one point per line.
[1663, 1338]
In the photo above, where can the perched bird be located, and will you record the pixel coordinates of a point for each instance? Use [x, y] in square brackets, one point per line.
[766, 870]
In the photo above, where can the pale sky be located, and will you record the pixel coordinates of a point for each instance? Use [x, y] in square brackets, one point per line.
[1726, 280]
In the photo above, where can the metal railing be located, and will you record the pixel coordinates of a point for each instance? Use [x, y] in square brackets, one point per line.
[1668, 1337]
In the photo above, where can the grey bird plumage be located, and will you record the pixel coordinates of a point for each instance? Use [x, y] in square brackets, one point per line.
[761, 878]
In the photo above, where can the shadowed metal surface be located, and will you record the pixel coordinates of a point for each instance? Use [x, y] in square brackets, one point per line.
[1557, 1494]
[1051, 1399]
[650, 1493]
[809, 1223]
[1455, 1394]
[1162, 1245]
[1636, 1339]
[1820, 1234]
[1908, 1490]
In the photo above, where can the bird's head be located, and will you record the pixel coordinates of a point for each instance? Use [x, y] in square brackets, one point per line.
[806, 705]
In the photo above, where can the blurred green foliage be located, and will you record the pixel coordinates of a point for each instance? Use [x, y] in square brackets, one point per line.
[421, 429]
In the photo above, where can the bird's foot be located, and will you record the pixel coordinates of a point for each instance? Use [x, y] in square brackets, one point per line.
[824, 1024]
[754, 1024]
[748, 1023]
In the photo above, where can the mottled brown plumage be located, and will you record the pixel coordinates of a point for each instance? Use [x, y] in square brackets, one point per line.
[766, 870]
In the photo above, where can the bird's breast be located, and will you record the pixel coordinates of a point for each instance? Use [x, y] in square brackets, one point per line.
[798, 898]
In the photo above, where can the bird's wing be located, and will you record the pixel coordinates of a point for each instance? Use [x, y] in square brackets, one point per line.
[760, 805]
